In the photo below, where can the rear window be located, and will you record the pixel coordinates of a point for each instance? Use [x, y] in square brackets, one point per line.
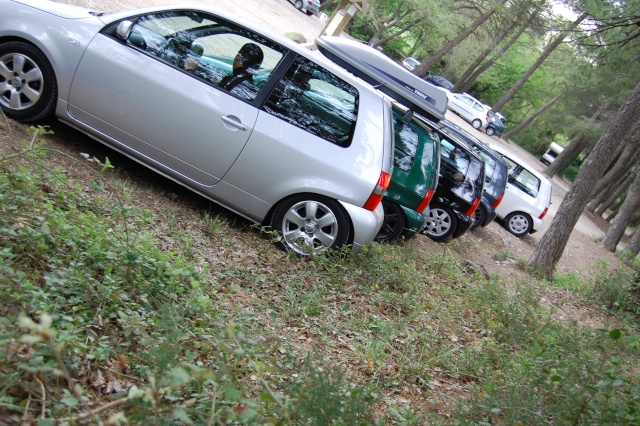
[314, 99]
[455, 161]
[527, 182]
[406, 145]
[489, 163]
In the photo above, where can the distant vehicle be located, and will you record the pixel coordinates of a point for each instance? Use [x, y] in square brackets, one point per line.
[414, 178]
[469, 108]
[417, 146]
[550, 155]
[308, 6]
[495, 176]
[440, 81]
[497, 123]
[410, 63]
[527, 196]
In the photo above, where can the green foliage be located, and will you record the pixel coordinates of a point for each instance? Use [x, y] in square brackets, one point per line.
[120, 315]
[617, 290]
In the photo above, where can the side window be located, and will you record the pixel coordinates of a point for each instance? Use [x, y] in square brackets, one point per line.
[467, 100]
[221, 54]
[310, 97]
[478, 107]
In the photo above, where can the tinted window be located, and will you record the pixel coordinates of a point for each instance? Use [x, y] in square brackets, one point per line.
[312, 98]
[455, 161]
[221, 54]
[489, 163]
[406, 145]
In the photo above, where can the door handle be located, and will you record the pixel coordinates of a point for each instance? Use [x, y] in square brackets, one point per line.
[233, 121]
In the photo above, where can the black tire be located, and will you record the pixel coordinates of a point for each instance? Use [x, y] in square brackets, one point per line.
[476, 123]
[479, 216]
[518, 223]
[310, 224]
[30, 93]
[298, 4]
[441, 223]
[393, 224]
[491, 131]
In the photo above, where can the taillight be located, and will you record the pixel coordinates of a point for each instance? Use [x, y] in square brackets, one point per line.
[378, 191]
[473, 208]
[425, 201]
[497, 203]
[546, 209]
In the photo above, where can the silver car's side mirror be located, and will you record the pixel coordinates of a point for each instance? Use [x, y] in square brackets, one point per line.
[124, 29]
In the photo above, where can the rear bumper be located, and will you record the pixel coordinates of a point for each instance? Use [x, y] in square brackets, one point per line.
[366, 224]
[464, 224]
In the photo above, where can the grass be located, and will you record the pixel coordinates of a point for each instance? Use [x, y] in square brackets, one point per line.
[114, 313]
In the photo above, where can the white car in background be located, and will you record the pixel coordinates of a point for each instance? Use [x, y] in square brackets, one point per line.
[410, 63]
[526, 198]
[469, 108]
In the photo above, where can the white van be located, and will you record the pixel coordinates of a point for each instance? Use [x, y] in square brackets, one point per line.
[551, 154]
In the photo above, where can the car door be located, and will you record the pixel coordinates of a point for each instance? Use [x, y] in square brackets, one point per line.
[463, 105]
[139, 94]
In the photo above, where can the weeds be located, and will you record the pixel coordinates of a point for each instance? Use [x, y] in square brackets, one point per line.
[97, 328]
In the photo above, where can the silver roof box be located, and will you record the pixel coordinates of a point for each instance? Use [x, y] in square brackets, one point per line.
[380, 71]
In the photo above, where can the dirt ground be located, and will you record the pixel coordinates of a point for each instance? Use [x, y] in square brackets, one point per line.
[483, 245]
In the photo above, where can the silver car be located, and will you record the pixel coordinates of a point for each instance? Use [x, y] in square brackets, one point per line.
[234, 112]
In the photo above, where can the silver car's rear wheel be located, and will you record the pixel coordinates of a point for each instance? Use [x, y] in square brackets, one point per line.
[310, 224]
[476, 123]
[298, 4]
[441, 222]
[28, 87]
[519, 224]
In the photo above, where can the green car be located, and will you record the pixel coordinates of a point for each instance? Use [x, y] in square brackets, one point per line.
[414, 178]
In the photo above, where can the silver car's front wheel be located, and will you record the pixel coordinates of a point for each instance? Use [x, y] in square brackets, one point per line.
[28, 88]
[519, 224]
[310, 224]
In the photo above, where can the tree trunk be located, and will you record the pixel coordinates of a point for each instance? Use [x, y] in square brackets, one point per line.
[532, 117]
[634, 243]
[570, 153]
[619, 224]
[423, 68]
[622, 165]
[463, 85]
[613, 214]
[575, 147]
[545, 54]
[604, 204]
[549, 250]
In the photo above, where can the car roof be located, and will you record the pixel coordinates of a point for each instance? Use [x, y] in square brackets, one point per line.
[520, 161]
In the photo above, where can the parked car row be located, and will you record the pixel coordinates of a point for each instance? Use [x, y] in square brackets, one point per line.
[253, 121]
